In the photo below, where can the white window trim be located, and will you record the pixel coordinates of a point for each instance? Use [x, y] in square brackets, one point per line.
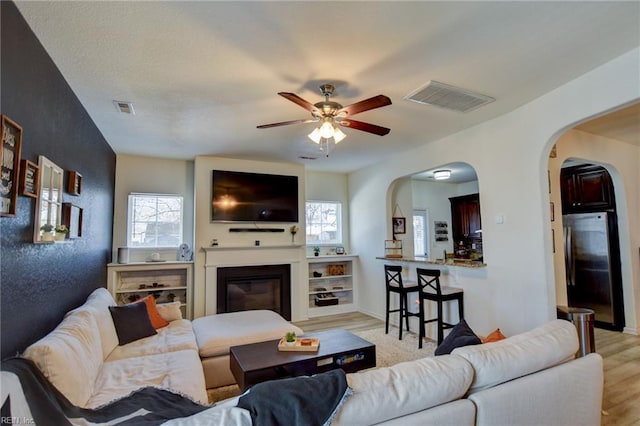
[130, 212]
[340, 224]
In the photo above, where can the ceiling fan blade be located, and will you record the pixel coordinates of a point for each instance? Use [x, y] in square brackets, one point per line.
[285, 123]
[365, 127]
[299, 101]
[366, 105]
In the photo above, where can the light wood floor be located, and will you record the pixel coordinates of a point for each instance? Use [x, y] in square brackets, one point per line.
[621, 354]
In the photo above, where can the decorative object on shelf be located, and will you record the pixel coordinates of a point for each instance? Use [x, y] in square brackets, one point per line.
[317, 274]
[393, 248]
[10, 146]
[49, 201]
[29, 179]
[123, 255]
[336, 269]
[72, 218]
[339, 250]
[294, 230]
[47, 232]
[61, 232]
[185, 254]
[74, 184]
[441, 228]
[316, 251]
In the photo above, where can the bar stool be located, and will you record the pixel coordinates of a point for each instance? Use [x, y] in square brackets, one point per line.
[430, 289]
[394, 284]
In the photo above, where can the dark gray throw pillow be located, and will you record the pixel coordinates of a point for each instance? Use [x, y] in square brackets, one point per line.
[460, 335]
[131, 322]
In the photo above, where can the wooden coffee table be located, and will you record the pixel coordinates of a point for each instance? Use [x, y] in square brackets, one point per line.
[259, 362]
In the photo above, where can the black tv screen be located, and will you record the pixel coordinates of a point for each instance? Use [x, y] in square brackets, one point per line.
[254, 197]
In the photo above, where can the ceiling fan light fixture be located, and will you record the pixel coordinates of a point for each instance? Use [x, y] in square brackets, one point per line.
[315, 135]
[442, 174]
[338, 135]
[326, 130]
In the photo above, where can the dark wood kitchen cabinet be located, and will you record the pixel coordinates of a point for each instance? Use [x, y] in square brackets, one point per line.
[465, 218]
[586, 189]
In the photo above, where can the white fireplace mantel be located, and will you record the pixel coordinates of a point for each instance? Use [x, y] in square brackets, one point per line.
[219, 257]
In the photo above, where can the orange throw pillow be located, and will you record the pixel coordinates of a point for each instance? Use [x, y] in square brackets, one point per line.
[156, 320]
[494, 336]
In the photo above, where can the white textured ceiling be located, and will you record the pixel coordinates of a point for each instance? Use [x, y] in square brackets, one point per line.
[202, 75]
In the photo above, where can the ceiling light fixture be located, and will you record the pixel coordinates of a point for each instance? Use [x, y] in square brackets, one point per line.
[442, 174]
[322, 135]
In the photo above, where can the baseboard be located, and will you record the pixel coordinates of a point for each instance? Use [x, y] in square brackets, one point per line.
[631, 330]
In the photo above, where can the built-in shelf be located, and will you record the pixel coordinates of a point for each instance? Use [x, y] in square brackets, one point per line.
[333, 291]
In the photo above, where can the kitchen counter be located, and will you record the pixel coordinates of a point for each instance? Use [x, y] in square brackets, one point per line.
[464, 263]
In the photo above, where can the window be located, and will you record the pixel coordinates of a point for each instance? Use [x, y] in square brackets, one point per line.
[324, 222]
[154, 220]
[420, 233]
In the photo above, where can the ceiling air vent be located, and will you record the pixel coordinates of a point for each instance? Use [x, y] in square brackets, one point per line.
[124, 107]
[449, 97]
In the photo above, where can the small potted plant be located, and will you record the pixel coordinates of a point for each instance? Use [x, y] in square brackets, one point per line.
[294, 230]
[290, 338]
[61, 232]
[47, 232]
[316, 251]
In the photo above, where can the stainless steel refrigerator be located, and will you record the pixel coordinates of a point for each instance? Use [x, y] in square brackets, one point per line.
[593, 266]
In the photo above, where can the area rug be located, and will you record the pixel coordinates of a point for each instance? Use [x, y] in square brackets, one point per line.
[389, 351]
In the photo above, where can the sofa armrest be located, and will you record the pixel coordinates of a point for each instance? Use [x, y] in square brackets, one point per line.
[567, 394]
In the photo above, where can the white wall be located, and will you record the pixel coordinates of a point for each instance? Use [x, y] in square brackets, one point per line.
[516, 291]
[622, 161]
[331, 187]
[151, 175]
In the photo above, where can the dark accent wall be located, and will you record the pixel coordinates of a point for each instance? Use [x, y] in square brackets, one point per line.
[40, 282]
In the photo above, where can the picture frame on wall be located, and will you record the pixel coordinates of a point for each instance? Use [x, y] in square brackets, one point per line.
[29, 179]
[74, 184]
[72, 217]
[399, 225]
[10, 146]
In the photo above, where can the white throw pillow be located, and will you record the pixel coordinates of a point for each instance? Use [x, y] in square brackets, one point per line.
[169, 311]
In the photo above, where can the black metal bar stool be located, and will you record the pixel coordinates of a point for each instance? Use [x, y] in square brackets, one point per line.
[394, 284]
[430, 289]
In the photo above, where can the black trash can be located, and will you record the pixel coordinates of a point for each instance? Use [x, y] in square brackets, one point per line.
[583, 320]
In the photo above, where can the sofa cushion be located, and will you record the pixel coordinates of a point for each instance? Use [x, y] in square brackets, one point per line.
[177, 336]
[169, 311]
[215, 334]
[385, 393]
[178, 371]
[98, 304]
[156, 320]
[522, 354]
[495, 336]
[460, 335]
[132, 322]
[70, 356]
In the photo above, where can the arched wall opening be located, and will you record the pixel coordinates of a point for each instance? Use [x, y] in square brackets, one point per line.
[576, 146]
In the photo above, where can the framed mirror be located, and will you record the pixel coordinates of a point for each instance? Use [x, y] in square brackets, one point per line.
[49, 202]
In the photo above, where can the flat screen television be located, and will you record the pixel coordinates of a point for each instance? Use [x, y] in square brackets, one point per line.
[253, 197]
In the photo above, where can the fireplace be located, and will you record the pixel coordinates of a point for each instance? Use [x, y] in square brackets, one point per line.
[243, 288]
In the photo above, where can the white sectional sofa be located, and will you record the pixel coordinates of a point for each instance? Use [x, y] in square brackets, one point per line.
[528, 379]
[82, 359]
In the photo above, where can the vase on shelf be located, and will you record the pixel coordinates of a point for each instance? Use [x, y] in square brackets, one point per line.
[47, 236]
[60, 236]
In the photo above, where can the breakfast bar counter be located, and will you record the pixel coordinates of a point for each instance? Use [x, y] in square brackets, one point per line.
[463, 263]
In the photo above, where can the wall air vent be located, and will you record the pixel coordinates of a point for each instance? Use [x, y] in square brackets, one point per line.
[124, 107]
[450, 97]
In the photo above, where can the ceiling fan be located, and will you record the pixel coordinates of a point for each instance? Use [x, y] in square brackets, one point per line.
[331, 113]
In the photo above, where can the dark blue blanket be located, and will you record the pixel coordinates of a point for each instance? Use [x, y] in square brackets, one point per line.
[309, 401]
[147, 406]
